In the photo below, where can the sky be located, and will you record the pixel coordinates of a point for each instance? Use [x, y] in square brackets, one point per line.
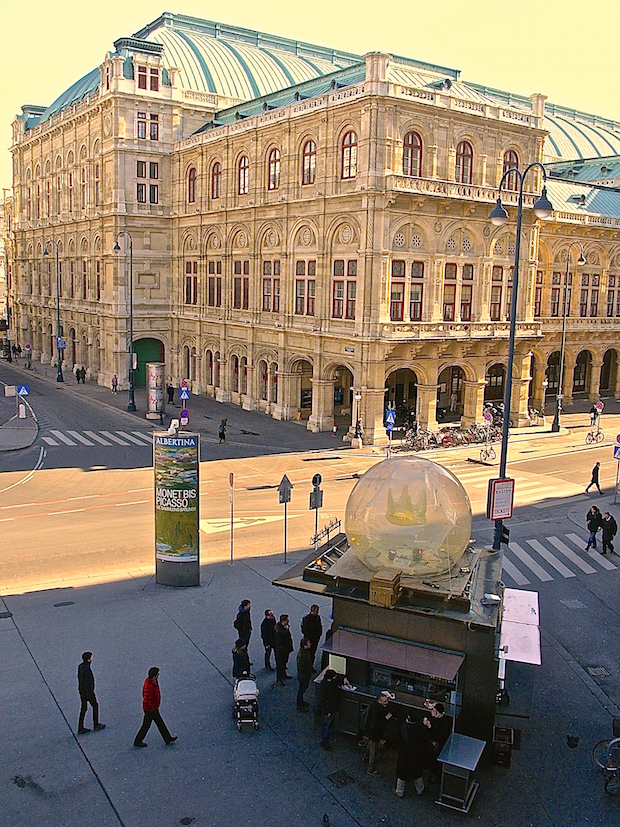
[564, 50]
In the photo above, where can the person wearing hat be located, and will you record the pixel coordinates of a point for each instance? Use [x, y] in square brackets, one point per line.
[241, 659]
[376, 724]
[410, 764]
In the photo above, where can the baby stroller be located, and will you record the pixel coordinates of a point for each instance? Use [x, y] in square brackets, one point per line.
[245, 702]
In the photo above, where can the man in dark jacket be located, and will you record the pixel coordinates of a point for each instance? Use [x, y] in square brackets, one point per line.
[243, 621]
[376, 724]
[593, 523]
[328, 698]
[595, 478]
[610, 529]
[284, 647]
[304, 672]
[86, 688]
[241, 660]
[439, 727]
[312, 628]
[268, 636]
[411, 753]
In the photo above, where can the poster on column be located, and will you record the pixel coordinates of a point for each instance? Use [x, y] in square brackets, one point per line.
[177, 518]
[155, 389]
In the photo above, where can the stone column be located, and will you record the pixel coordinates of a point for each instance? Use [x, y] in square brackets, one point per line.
[370, 411]
[483, 170]
[520, 383]
[451, 164]
[427, 407]
[595, 380]
[322, 416]
[285, 408]
[222, 393]
[617, 386]
[472, 402]
[569, 378]
[434, 151]
[249, 400]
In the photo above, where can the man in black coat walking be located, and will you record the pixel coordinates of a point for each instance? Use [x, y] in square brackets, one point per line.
[86, 688]
[268, 636]
[284, 647]
[243, 621]
[312, 628]
[610, 529]
[595, 478]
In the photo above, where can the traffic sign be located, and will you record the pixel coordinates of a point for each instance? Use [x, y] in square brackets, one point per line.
[184, 383]
[390, 418]
[317, 479]
[184, 394]
[488, 416]
[284, 490]
[316, 500]
[60, 343]
[600, 405]
[184, 415]
[389, 427]
[617, 452]
[500, 499]
[618, 438]
[231, 479]
[22, 390]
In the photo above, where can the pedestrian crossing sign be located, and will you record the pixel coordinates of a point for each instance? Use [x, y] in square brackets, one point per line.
[22, 390]
[184, 394]
[617, 452]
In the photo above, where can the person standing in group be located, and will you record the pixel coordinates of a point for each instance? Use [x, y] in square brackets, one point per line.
[241, 659]
[151, 700]
[593, 415]
[411, 751]
[594, 521]
[312, 628]
[86, 688]
[222, 430]
[284, 647]
[170, 392]
[376, 724]
[115, 384]
[304, 672]
[328, 698]
[595, 478]
[243, 621]
[439, 727]
[268, 636]
[610, 529]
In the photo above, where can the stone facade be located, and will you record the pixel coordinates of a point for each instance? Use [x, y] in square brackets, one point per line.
[309, 257]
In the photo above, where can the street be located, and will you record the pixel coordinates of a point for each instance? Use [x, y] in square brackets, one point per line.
[76, 572]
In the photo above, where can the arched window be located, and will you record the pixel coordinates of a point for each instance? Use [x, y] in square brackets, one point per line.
[308, 163]
[264, 380]
[274, 382]
[243, 181]
[244, 374]
[209, 367]
[84, 188]
[48, 198]
[464, 157]
[187, 367]
[38, 202]
[273, 170]
[349, 155]
[216, 180]
[412, 155]
[217, 368]
[191, 185]
[235, 374]
[511, 162]
[28, 196]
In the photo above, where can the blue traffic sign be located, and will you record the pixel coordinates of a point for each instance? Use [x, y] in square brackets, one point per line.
[184, 416]
[617, 452]
[22, 390]
[390, 417]
[184, 394]
[389, 427]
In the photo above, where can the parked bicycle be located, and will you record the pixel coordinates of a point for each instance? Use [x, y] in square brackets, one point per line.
[594, 436]
[487, 453]
[606, 756]
[536, 416]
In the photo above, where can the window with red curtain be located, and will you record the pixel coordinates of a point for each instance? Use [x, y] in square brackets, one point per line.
[464, 163]
[349, 155]
[273, 170]
[216, 180]
[412, 155]
[511, 165]
[308, 161]
[191, 185]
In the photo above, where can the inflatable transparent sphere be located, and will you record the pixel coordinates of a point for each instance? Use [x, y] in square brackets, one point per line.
[408, 514]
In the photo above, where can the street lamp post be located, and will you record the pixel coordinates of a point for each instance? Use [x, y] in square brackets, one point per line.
[545, 385]
[498, 216]
[59, 376]
[131, 404]
[555, 425]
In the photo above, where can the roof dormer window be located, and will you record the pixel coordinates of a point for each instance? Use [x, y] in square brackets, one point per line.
[154, 80]
[141, 77]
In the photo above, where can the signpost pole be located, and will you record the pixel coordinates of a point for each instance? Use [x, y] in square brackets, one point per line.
[285, 521]
[284, 497]
[616, 488]
[231, 495]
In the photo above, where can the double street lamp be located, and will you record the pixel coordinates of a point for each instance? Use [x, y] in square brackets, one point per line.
[131, 405]
[542, 209]
[555, 425]
[59, 342]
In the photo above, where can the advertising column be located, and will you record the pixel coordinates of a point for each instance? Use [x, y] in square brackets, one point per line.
[177, 500]
[155, 390]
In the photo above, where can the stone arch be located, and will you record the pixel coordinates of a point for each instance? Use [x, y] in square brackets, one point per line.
[495, 377]
[343, 233]
[304, 234]
[71, 247]
[84, 245]
[609, 372]
[97, 245]
[582, 372]
[70, 158]
[212, 242]
[401, 390]
[595, 255]
[300, 368]
[188, 243]
[239, 238]
[58, 165]
[83, 152]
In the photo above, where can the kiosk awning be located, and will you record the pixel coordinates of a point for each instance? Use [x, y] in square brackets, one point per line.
[409, 657]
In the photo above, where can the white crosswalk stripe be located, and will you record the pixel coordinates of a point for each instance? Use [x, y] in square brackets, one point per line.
[520, 566]
[93, 439]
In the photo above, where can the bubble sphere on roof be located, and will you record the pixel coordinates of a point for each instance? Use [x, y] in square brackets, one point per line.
[408, 514]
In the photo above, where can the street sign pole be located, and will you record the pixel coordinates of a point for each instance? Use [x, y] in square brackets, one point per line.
[617, 458]
[285, 523]
[316, 501]
[231, 496]
[284, 496]
[616, 488]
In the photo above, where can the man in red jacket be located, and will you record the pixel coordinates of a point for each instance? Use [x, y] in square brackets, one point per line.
[151, 699]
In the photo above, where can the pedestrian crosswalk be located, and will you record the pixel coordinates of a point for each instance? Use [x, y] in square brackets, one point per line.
[55, 437]
[551, 557]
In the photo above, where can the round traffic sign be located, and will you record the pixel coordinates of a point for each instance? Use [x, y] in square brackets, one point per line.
[600, 405]
[317, 479]
[184, 383]
[488, 416]
[184, 416]
[231, 479]
[618, 438]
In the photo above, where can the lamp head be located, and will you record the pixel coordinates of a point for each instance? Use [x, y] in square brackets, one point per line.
[543, 207]
[45, 253]
[581, 259]
[498, 214]
[116, 248]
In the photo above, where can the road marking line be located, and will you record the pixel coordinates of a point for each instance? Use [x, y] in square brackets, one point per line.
[7, 519]
[586, 568]
[514, 572]
[131, 439]
[85, 497]
[49, 440]
[17, 505]
[135, 502]
[80, 438]
[148, 438]
[98, 439]
[59, 435]
[551, 559]
[598, 558]
[137, 490]
[529, 561]
[68, 511]
[114, 438]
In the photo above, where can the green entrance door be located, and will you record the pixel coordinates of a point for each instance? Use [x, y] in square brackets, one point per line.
[147, 350]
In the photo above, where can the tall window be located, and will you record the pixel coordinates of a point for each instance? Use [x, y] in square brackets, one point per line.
[243, 175]
[271, 286]
[466, 292]
[214, 284]
[308, 161]
[349, 155]
[154, 78]
[191, 185]
[58, 195]
[511, 164]
[84, 278]
[141, 77]
[449, 292]
[141, 128]
[38, 201]
[241, 285]
[191, 282]
[305, 288]
[611, 292]
[216, 180]
[538, 293]
[273, 170]
[97, 184]
[417, 286]
[497, 279]
[154, 121]
[71, 279]
[84, 188]
[412, 155]
[464, 158]
[98, 277]
[344, 289]
[48, 198]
